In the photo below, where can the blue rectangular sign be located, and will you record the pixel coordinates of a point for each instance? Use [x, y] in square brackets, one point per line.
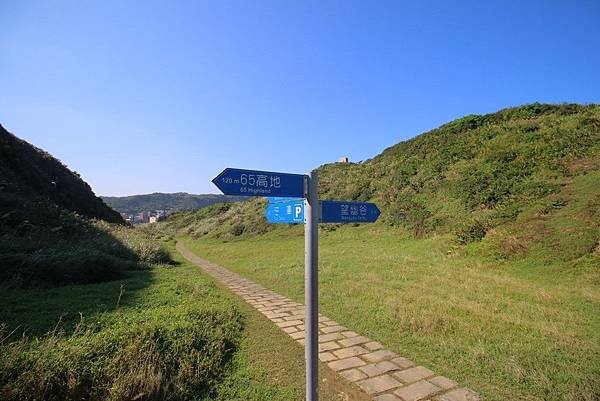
[278, 199]
[348, 212]
[285, 211]
[233, 181]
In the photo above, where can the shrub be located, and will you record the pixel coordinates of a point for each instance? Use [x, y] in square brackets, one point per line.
[471, 231]
[506, 245]
[237, 229]
[150, 252]
[408, 211]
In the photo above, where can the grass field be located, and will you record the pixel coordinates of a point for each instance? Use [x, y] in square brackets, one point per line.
[520, 330]
[84, 333]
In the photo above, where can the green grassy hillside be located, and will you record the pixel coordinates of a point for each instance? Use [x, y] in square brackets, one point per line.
[522, 179]
[170, 202]
[27, 172]
[484, 266]
[54, 230]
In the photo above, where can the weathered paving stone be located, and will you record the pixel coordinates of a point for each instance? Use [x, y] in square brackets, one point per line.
[327, 357]
[349, 334]
[289, 323]
[354, 341]
[329, 346]
[443, 382]
[460, 394]
[290, 330]
[296, 335]
[332, 329]
[349, 363]
[379, 384]
[353, 375]
[330, 337]
[387, 397]
[413, 374]
[379, 356]
[350, 351]
[271, 315]
[379, 368]
[417, 391]
[373, 346]
[330, 323]
[403, 362]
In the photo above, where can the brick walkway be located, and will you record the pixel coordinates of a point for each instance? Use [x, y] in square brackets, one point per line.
[379, 372]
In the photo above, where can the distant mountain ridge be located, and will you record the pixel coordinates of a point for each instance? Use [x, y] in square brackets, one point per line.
[28, 173]
[171, 202]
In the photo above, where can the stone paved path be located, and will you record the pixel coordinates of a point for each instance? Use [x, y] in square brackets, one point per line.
[379, 372]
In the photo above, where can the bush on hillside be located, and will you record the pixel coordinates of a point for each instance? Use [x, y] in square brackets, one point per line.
[471, 231]
[237, 229]
[409, 211]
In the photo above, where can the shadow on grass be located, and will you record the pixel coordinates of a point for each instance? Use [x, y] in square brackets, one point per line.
[56, 267]
[38, 311]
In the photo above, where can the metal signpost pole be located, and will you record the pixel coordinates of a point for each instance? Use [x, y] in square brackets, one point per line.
[311, 316]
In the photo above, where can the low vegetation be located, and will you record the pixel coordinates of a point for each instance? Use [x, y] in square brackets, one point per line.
[225, 220]
[44, 245]
[513, 329]
[164, 333]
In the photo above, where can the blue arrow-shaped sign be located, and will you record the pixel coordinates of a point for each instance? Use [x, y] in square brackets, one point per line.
[285, 211]
[233, 181]
[348, 212]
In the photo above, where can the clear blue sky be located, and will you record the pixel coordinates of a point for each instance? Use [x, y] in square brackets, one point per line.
[160, 96]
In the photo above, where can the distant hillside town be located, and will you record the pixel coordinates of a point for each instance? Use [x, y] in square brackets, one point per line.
[146, 216]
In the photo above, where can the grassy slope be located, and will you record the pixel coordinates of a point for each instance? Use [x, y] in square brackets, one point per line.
[501, 328]
[470, 177]
[500, 291]
[259, 361]
[53, 228]
[34, 175]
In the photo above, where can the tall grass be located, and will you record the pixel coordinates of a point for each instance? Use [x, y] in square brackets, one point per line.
[90, 251]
